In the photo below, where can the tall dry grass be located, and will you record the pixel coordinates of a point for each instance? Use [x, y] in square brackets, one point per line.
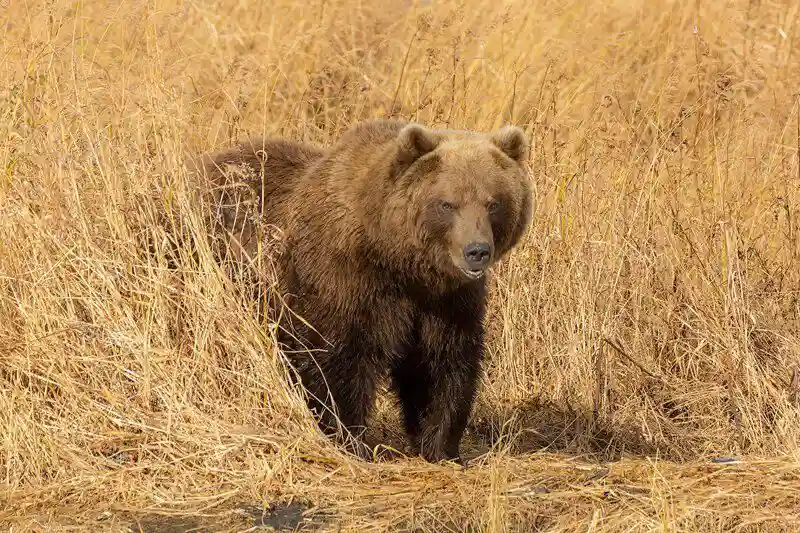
[647, 326]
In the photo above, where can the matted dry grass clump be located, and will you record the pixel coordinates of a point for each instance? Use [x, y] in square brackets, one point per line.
[647, 326]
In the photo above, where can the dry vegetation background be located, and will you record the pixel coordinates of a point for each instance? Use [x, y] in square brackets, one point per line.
[647, 326]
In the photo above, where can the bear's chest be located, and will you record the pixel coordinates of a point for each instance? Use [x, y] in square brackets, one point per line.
[350, 302]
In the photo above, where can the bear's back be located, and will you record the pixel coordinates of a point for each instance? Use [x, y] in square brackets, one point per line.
[252, 181]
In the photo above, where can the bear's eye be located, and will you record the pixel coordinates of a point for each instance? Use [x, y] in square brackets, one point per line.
[446, 206]
[493, 206]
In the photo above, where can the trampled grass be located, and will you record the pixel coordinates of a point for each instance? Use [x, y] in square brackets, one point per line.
[645, 350]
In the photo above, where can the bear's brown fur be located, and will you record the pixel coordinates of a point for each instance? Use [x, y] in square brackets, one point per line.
[387, 236]
[251, 183]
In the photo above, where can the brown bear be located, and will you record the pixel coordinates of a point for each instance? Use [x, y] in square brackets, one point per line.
[388, 235]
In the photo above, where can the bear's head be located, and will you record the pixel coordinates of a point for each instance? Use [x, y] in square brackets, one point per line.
[463, 197]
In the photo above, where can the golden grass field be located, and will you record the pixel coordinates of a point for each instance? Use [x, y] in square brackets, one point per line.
[646, 328]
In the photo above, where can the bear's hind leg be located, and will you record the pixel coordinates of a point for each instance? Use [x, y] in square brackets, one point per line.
[410, 380]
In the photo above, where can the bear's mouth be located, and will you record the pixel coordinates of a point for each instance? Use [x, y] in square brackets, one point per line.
[472, 274]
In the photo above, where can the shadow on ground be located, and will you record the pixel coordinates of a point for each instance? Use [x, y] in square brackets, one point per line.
[529, 427]
[295, 516]
[536, 426]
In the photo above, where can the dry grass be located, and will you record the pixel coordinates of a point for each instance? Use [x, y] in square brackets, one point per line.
[648, 325]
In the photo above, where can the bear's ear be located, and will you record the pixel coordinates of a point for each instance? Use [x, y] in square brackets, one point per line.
[512, 141]
[413, 142]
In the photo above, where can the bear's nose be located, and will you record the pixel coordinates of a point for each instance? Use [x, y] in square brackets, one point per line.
[477, 254]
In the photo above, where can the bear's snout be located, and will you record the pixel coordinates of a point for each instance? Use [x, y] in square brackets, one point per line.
[477, 255]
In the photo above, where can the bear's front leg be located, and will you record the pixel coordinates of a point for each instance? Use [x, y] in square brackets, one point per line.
[346, 387]
[335, 358]
[452, 360]
[340, 382]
